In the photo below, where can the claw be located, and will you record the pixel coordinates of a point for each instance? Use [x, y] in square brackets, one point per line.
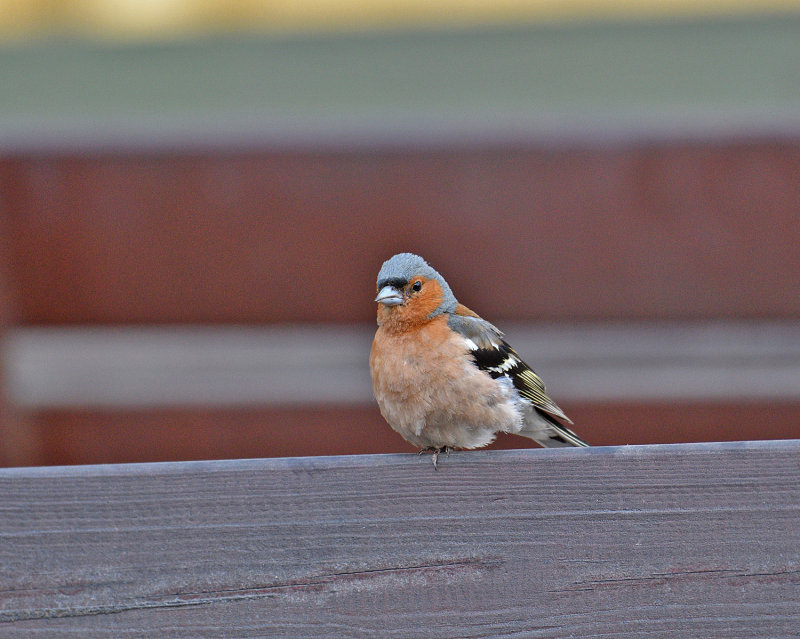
[436, 450]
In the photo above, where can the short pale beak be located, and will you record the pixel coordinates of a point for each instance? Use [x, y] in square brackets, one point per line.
[389, 296]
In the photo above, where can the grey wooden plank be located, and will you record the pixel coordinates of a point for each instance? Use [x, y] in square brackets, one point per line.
[224, 366]
[692, 540]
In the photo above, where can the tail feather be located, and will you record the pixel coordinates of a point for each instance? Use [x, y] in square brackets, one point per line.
[550, 433]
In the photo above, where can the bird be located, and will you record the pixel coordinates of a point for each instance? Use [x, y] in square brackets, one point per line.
[443, 377]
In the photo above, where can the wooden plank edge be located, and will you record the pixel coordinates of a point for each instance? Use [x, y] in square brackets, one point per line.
[321, 463]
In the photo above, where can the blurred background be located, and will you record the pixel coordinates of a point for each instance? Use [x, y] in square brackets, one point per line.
[196, 197]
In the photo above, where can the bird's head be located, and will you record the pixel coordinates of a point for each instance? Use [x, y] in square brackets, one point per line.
[411, 292]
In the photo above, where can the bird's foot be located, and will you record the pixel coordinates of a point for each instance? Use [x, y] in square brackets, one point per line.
[436, 450]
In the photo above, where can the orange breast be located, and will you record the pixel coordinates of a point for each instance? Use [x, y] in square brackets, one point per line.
[430, 391]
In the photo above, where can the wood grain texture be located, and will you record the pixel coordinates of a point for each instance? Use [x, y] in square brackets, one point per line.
[696, 540]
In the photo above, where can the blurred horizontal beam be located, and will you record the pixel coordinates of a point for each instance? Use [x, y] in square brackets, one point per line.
[644, 231]
[376, 132]
[389, 84]
[307, 365]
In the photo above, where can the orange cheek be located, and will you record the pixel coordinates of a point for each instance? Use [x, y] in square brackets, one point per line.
[415, 312]
[429, 297]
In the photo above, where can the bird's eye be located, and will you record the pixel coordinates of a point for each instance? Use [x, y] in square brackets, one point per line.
[416, 286]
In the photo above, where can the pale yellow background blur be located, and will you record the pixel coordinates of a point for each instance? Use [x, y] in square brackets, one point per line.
[170, 18]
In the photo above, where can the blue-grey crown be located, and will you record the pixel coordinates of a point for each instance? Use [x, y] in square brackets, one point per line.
[403, 266]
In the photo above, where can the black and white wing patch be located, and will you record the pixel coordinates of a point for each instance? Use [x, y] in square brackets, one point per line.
[493, 355]
[503, 361]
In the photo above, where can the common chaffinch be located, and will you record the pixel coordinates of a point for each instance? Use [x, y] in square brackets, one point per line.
[444, 377]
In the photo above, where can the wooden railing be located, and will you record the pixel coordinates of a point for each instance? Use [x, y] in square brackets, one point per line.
[690, 540]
